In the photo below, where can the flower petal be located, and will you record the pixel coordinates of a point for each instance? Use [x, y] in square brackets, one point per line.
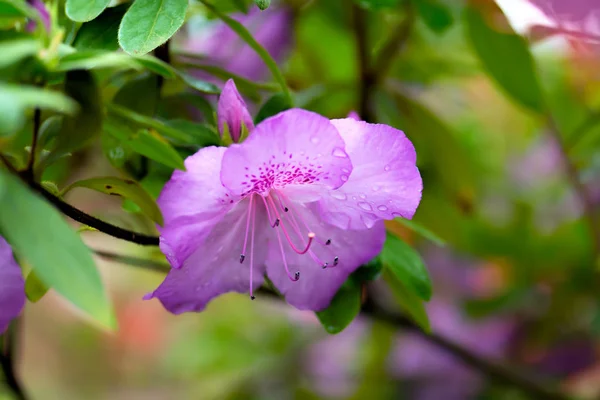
[317, 286]
[385, 182]
[296, 149]
[214, 267]
[232, 110]
[192, 203]
[12, 286]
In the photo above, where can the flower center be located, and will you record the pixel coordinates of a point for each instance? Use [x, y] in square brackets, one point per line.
[282, 216]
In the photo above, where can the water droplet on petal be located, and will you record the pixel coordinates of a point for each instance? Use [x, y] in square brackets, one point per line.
[363, 196]
[338, 195]
[387, 168]
[345, 170]
[339, 152]
[314, 140]
[344, 178]
[382, 208]
[365, 206]
[376, 188]
[353, 197]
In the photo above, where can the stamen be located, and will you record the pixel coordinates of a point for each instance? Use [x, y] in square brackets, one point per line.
[273, 224]
[252, 252]
[311, 235]
[276, 223]
[296, 276]
[242, 256]
[336, 260]
[324, 266]
[283, 198]
[328, 242]
[285, 209]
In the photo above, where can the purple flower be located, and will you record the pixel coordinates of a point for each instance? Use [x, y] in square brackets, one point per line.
[12, 286]
[232, 111]
[301, 200]
[571, 10]
[40, 7]
[223, 47]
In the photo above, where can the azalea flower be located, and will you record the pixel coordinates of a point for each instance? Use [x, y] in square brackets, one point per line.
[12, 286]
[301, 200]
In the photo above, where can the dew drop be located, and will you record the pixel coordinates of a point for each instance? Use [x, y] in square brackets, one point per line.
[382, 208]
[344, 178]
[376, 188]
[345, 170]
[353, 197]
[314, 140]
[339, 152]
[365, 206]
[387, 168]
[338, 195]
[362, 196]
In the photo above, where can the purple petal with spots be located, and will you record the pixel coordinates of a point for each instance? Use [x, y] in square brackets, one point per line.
[192, 203]
[214, 267]
[385, 182]
[12, 286]
[317, 286]
[296, 149]
[232, 110]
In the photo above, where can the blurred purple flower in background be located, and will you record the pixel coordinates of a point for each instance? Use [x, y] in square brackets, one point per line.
[223, 47]
[12, 286]
[40, 7]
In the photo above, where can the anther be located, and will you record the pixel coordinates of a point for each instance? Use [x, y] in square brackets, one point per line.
[276, 223]
[297, 275]
[328, 242]
[285, 209]
[242, 258]
[336, 260]
[324, 266]
[252, 297]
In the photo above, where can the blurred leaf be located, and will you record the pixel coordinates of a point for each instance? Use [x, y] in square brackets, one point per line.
[407, 266]
[274, 105]
[95, 59]
[344, 307]
[122, 187]
[436, 15]
[149, 23]
[369, 271]
[201, 135]
[409, 301]
[139, 94]
[15, 100]
[503, 53]
[85, 10]
[144, 142]
[421, 230]
[101, 33]
[16, 50]
[157, 66]
[187, 106]
[262, 4]
[116, 153]
[34, 287]
[80, 129]
[55, 252]
[247, 37]
[199, 84]
[377, 4]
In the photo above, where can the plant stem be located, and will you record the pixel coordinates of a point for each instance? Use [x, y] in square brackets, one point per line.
[7, 363]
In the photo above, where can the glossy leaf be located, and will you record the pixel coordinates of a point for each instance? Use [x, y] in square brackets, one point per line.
[503, 53]
[149, 23]
[125, 188]
[94, 59]
[85, 10]
[436, 15]
[408, 300]
[407, 266]
[55, 252]
[274, 105]
[344, 307]
[35, 289]
[101, 33]
[139, 94]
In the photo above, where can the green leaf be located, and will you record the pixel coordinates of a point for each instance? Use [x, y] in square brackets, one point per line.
[15, 50]
[101, 33]
[94, 59]
[55, 252]
[125, 188]
[274, 105]
[410, 303]
[201, 135]
[436, 15]
[377, 4]
[116, 153]
[149, 23]
[503, 53]
[199, 84]
[262, 4]
[80, 129]
[187, 106]
[421, 230]
[344, 307]
[369, 271]
[139, 94]
[407, 266]
[85, 10]
[144, 142]
[16, 99]
[34, 287]
[247, 37]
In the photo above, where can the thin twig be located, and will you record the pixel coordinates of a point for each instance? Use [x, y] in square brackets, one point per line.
[37, 120]
[7, 364]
